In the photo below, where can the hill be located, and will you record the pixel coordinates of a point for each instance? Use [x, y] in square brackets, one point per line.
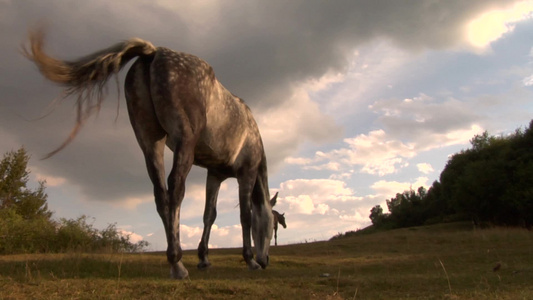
[430, 262]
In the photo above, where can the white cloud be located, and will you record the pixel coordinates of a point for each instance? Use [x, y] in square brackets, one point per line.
[228, 236]
[188, 231]
[425, 168]
[528, 81]
[134, 238]
[341, 176]
[453, 137]
[297, 120]
[304, 204]
[388, 189]
[356, 217]
[297, 160]
[369, 71]
[317, 190]
[376, 152]
[331, 166]
[301, 204]
[492, 25]
[321, 209]
[410, 126]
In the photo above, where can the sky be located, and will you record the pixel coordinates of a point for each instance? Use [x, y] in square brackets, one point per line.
[355, 100]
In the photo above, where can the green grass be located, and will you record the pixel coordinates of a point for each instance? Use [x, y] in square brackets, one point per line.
[435, 262]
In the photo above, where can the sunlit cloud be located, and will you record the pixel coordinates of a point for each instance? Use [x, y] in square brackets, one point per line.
[410, 126]
[228, 236]
[375, 152]
[297, 120]
[425, 168]
[133, 237]
[388, 189]
[317, 190]
[492, 25]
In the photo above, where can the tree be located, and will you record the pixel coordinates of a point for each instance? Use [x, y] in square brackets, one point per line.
[14, 193]
[481, 141]
[406, 208]
[376, 215]
[492, 182]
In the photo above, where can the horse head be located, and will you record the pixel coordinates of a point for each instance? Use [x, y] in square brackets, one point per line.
[262, 230]
[281, 220]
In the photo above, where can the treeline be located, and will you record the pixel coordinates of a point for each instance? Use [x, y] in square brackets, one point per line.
[490, 183]
[27, 226]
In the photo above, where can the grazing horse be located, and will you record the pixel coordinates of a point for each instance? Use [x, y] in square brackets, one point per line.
[278, 218]
[174, 99]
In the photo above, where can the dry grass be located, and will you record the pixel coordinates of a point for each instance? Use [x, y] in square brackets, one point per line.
[437, 262]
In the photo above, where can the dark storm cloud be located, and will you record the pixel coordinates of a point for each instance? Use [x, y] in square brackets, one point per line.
[259, 49]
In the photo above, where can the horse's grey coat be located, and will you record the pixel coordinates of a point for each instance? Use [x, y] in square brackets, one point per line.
[175, 100]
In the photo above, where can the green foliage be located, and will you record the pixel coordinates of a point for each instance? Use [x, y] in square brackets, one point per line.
[18, 235]
[376, 215]
[80, 235]
[492, 182]
[26, 224]
[406, 209]
[13, 190]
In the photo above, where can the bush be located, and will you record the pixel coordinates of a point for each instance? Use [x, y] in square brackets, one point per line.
[18, 235]
[26, 224]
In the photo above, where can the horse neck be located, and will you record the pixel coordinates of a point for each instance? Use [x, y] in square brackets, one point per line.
[261, 183]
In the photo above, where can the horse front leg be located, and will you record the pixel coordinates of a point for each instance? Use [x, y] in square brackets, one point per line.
[276, 235]
[210, 214]
[183, 160]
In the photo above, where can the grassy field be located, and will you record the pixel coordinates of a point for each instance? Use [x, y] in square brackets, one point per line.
[437, 262]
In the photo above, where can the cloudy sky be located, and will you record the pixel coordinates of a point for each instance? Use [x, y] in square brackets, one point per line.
[355, 100]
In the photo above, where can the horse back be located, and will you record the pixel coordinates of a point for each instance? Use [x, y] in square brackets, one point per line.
[190, 101]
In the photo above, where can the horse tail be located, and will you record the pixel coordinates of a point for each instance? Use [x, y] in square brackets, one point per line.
[85, 77]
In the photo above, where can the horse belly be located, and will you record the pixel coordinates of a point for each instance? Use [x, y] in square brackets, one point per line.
[216, 151]
[207, 157]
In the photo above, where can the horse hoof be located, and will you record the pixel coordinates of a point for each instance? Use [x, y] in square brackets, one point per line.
[204, 265]
[178, 271]
[262, 263]
[253, 265]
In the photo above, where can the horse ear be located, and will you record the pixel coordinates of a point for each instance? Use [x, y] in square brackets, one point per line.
[283, 214]
[273, 200]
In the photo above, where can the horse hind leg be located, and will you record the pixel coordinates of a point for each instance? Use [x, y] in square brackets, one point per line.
[168, 211]
[210, 214]
[152, 140]
[183, 160]
[166, 208]
[183, 146]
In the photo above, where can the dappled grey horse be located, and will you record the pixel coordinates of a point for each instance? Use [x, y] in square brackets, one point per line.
[174, 99]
